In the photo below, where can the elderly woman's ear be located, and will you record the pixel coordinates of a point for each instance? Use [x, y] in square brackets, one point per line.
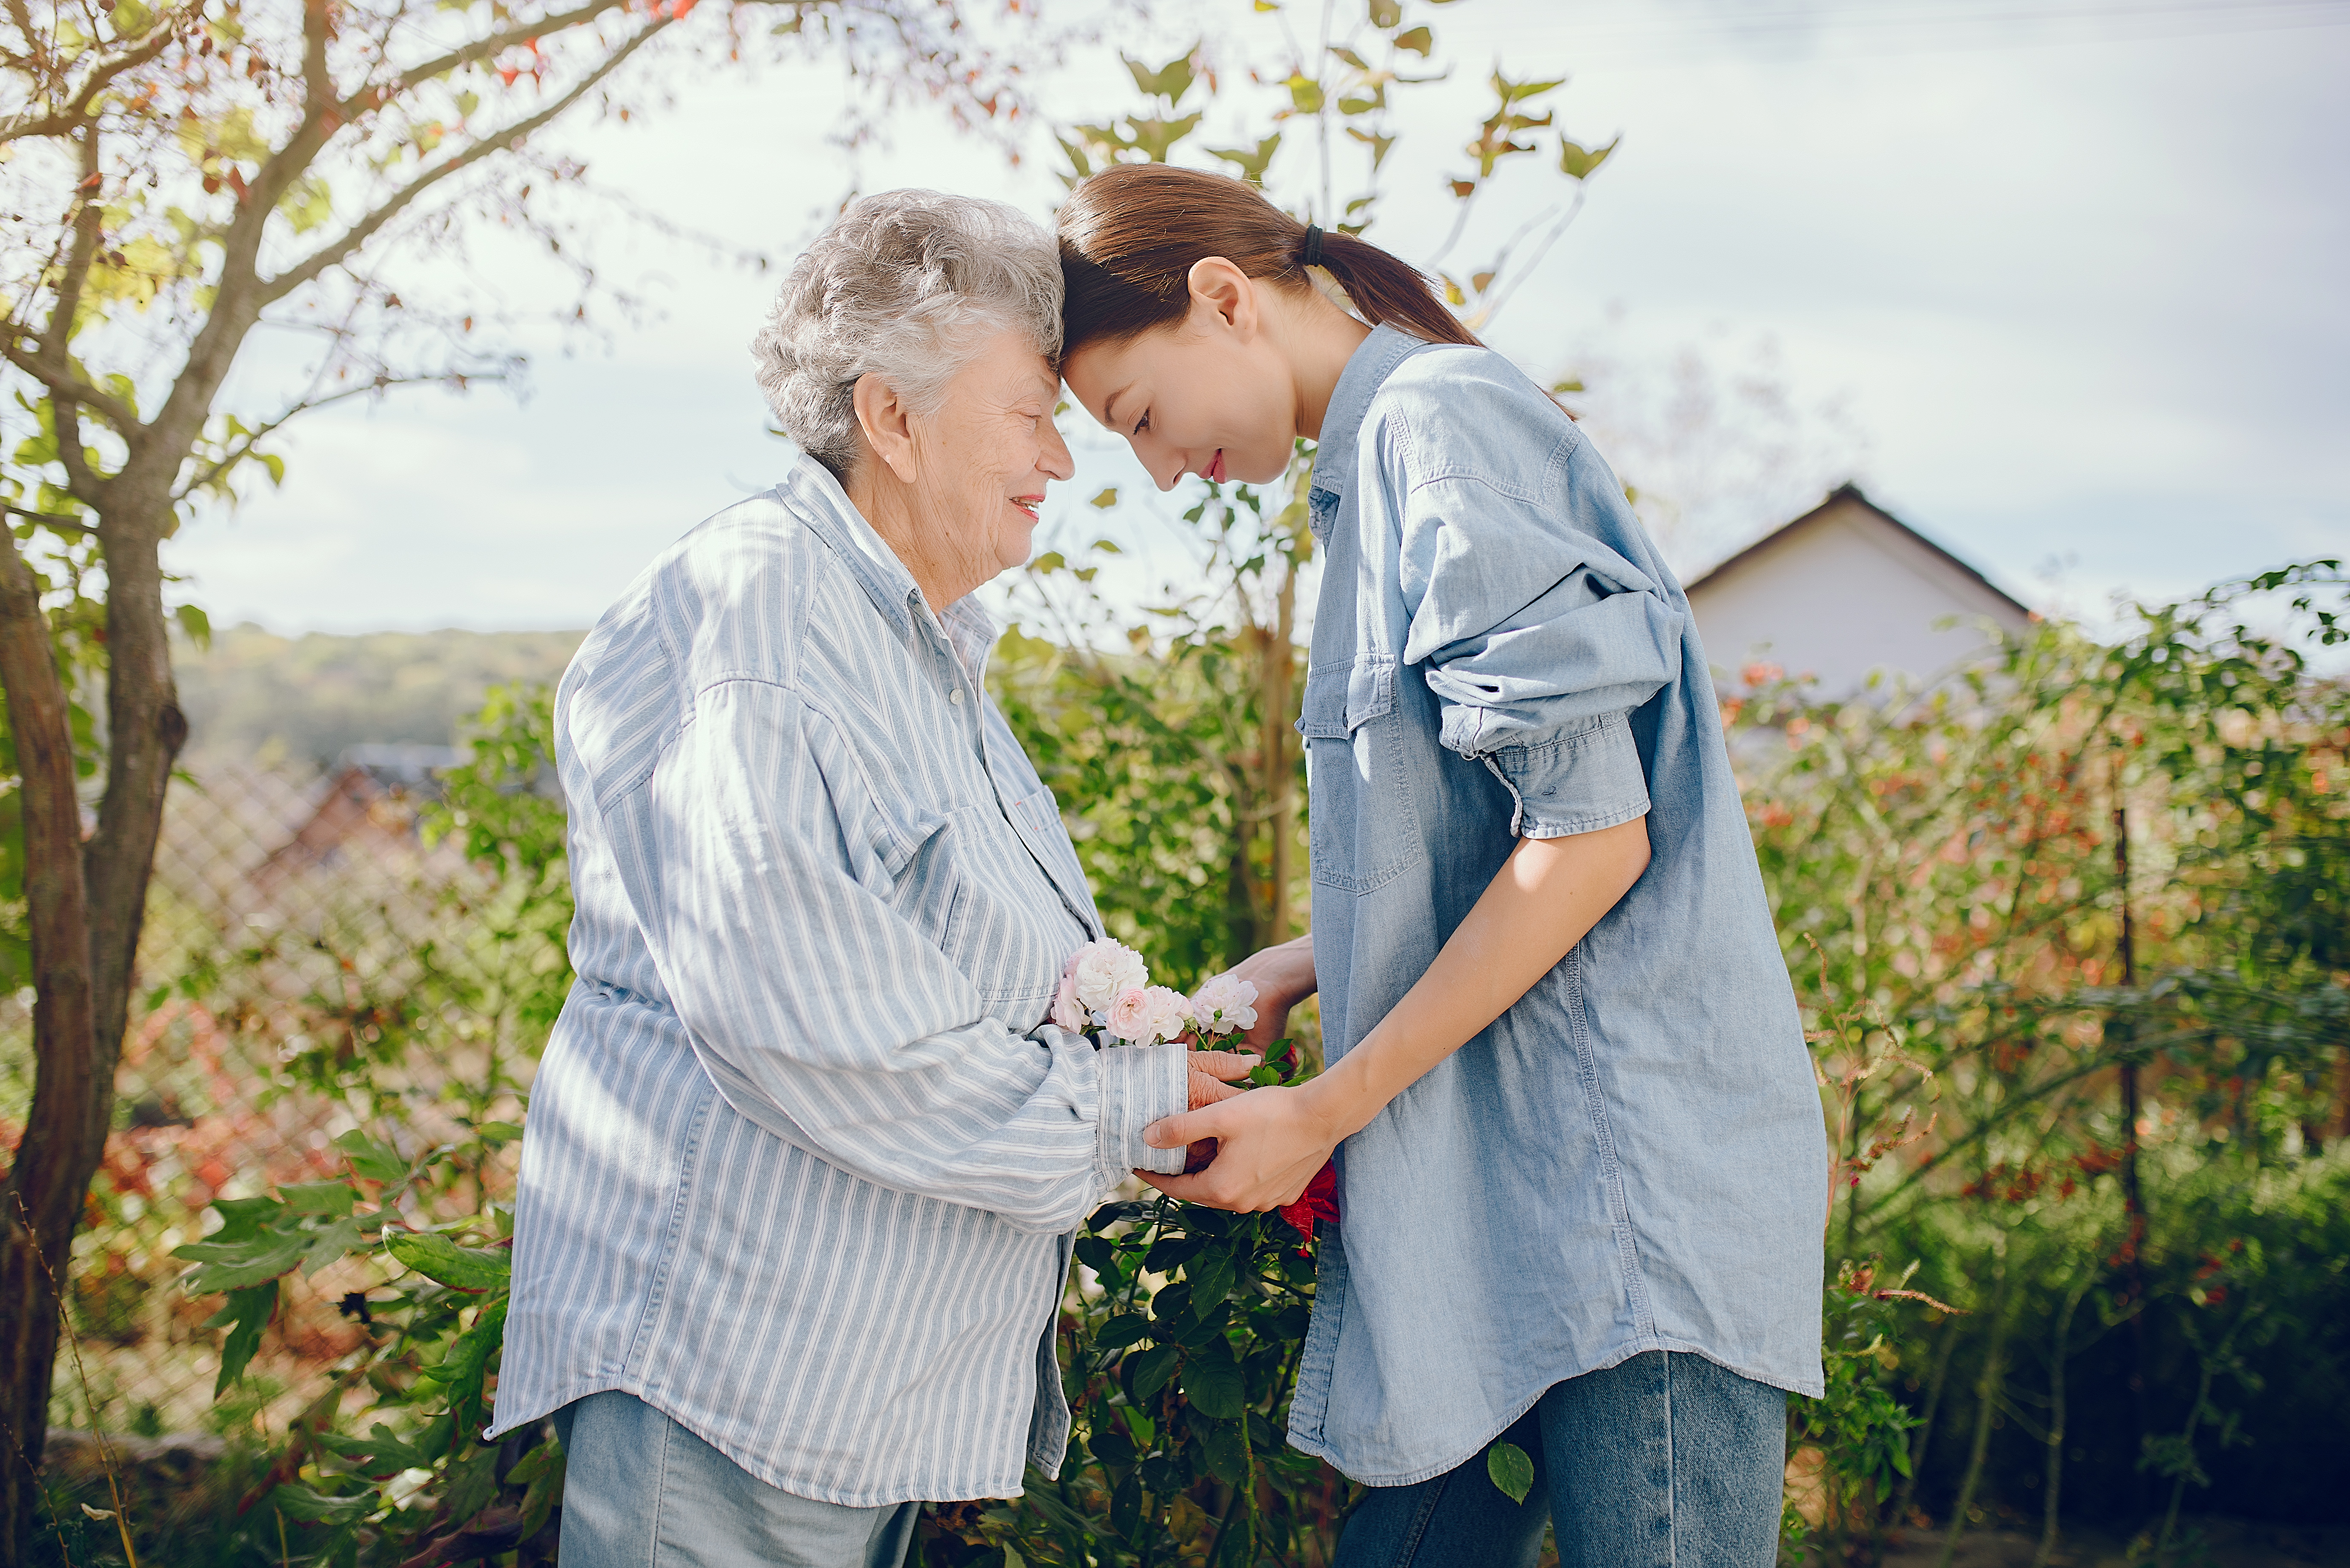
[887, 424]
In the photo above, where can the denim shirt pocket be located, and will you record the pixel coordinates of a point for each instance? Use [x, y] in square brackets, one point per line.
[1364, 828]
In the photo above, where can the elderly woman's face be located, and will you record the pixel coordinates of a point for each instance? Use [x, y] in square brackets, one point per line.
[980, 463]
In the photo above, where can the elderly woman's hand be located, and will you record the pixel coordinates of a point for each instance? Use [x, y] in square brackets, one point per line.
[1211, 1074]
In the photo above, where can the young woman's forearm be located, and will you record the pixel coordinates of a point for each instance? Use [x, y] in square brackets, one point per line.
[1549, 894]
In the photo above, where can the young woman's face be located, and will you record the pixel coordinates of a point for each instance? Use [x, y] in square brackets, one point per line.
[1210, 395]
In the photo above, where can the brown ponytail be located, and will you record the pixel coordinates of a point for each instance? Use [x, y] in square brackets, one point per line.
[1130, 234]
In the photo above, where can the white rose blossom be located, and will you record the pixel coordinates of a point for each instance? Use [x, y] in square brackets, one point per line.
[1103, 970]
[1225, 1004]
[1170, 1013]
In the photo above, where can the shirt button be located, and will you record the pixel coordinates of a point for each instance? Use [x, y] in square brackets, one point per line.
[955, 697]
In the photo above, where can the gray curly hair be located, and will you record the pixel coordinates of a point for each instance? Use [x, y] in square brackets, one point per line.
[907, 285]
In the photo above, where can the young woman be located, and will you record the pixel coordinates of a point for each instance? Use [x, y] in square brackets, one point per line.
[1582, 1169]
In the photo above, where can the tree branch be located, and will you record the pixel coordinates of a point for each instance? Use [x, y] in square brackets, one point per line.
[62, 383]
[483, 49]
[52, 520]
[59, 121]
[366, 228]
[382, 382]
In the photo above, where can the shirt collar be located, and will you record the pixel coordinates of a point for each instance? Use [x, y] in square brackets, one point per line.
[1368, 369]
[824, 506]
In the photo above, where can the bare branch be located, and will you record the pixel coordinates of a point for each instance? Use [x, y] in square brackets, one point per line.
[51, 520]
[64, 383]
[482, 49]
[87, 221]
[382, 382]
[76, 110]
[366, 228]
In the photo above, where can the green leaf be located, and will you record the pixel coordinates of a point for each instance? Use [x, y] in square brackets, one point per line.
[245, 1314]
[1107, 499]
[242, 1218]
[319, 1198]
[374, 1161]
[301, 1503]
[463, 1370]
[1170, 81]
[1227, 1447]
[1211, 1276]
[336, 1243]
[1511, 1471]
[194, 624]
[1214, 1386]
[472, 1482]
[381, 1454]
[1252, 162]
[236, 1265]
[1377, 144]
[1576, 163]
[1152, 1368]
[1418, 40]
[436, 1257]
[1122, 1330]
[1386, 14]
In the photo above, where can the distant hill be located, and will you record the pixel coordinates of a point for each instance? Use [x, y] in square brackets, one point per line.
[253, 696]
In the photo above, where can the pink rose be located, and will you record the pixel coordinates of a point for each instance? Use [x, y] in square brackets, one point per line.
[1066, 1011]
[1132, 1014]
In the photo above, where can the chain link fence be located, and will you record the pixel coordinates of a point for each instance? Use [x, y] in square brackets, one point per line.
[308, 958]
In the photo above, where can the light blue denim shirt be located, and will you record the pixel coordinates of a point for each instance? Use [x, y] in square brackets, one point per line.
[1632, 1157]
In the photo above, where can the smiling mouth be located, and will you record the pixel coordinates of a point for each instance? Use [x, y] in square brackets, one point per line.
[1215, 469]
[1028, 504]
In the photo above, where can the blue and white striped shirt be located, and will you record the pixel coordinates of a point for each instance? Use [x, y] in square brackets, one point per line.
[803, 1161]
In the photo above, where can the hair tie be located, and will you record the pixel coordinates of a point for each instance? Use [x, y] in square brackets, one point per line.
[1312, 255]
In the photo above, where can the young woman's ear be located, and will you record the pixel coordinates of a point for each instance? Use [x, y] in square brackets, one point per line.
[887, 424]
[1218, 286]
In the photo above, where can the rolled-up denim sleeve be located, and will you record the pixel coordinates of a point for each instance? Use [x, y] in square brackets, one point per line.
[1538, 638]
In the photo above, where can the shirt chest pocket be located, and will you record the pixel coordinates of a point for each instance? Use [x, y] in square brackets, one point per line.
[1364, 828]
[971, 886]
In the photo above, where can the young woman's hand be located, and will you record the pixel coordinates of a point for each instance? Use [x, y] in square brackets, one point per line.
[1269, 1144]
[1211, 1072]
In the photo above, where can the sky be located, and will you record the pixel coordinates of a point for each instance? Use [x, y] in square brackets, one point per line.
[2065, 286]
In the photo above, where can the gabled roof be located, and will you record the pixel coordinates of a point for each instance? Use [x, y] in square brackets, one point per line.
[1850, 492]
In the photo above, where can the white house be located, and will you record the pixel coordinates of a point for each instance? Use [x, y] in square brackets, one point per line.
[1844, 589]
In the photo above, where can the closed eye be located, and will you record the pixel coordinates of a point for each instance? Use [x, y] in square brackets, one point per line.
[1143, 423]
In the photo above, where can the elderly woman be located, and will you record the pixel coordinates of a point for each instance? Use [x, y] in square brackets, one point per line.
[804, 1157]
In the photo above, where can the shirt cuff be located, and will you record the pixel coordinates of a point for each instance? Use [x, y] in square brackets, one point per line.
[1140, 1084]
[1578, 783]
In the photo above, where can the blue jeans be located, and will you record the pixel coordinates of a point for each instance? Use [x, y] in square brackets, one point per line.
[641, 1492]
[1664, 1461]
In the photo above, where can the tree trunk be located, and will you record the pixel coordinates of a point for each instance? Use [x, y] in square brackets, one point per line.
[1923, 1438]
[86, 905]
[42, 1198]
[1988, 1387]
[2051, 1512]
